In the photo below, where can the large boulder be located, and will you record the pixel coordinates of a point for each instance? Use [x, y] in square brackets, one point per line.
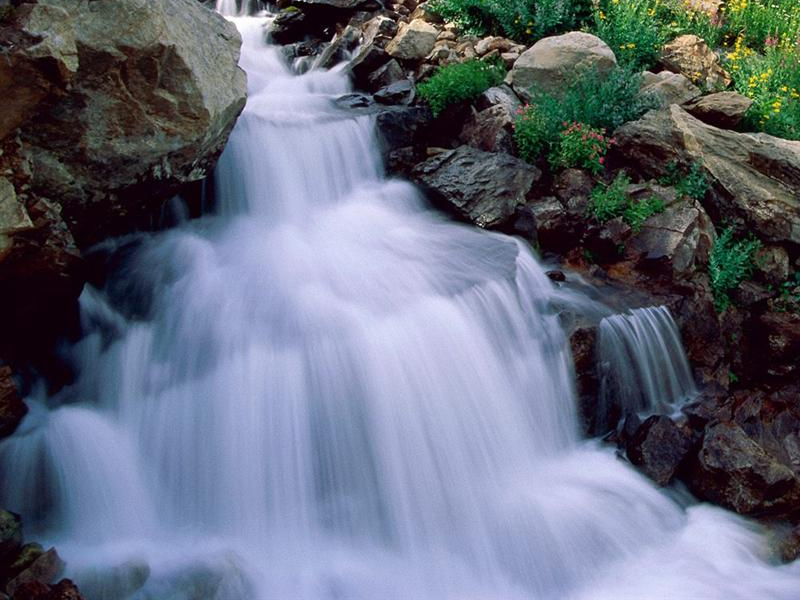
[690, 56]
[485, 188]
[668, 88]
[414, 41]
[755, 177]
[723, 109]
[552, 62]
[658, 447]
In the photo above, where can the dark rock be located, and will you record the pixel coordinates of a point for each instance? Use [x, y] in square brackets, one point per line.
[46, 568]
[12, 408]
[10, 535]
[400, 92]
[339, 49]
[733, 470]
[292, 25]
[352, 101]
[386, 75]
[491, 130]
[778, 337]
[668, 88]
[35, 590]
[481, 187]
[556, 275]
[28, 554]
[583, 344]
[369, 59]
[557, 228]
[658, 447]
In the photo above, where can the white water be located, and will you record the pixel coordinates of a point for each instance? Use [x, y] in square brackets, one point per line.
[337, 394]
[643, 368]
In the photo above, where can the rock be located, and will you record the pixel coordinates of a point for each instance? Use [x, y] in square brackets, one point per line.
[291, 25]
[369, 59]
[772, 264]
[386, 75]
[13, 216]
[550, 64]
[379, 31]
[678, 240]
[723, 109]
[481, 187]
[339, 48]
[426, 14]
[491, 130]
[413, 42]
[658, 447]
[35, 590]
[733, 470]
[778, 337]
[28, 554]
[44, 569]
[755, 177]
[690, 56]
[399, 92]
[668, 88]
[583, 346]
[501, 95]
[146, 94]
[10, 535]
[490, 44]
[12, 408]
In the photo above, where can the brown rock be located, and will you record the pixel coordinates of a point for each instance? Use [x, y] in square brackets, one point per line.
[12, 408]
[723, 109]
[658, 447]
[668, 88]
[690, 56]
[414, 41]
[44, 569]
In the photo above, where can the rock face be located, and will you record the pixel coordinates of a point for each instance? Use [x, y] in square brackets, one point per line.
[756, 177]
[669, 88]
[690, 56]
[482, 187]
[723, 109]
[658, 447]
[12, 408]
[112, 106]
[414, 41]
[551, 62]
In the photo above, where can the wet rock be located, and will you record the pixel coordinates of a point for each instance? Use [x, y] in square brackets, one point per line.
[778, 336]
[772, 264]
[414, 41]
[557, 229]
[386, 75]
[658, 447]
[583, 345]
[668, 88]
[28, 554]
[12, 408]
[10, 535]
[399, 92]
[13, 216]
[723, 109]
[491, 130]
[379, 31]
[481, 187]
[552, 62]
[46, 568]
[339, 49]
[690, 56]
[35, 590]
[291, 25]
[367, 61]
[734, 470]
[755, 177]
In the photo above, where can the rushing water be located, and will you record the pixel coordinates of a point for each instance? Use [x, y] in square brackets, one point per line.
[327, 391]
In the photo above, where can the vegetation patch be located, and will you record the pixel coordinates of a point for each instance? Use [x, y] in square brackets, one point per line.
[459, 82]
[612, 201]
[729, 264]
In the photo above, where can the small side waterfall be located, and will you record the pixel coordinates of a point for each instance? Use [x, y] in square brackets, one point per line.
[642, 364]
[327, 391]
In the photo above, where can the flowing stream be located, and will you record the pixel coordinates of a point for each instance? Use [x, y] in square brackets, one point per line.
[326, 391]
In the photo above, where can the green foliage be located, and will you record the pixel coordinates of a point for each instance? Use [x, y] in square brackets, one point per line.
[581, 146]
[630, 28]
[611, 201]
[692, 182]
[789, 295]
[459, 82]
[759, 21]
[595, 101]
[730, 263]
[520, 20]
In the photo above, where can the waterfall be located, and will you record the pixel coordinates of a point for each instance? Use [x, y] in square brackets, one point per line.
[643, 368]
[325, 390]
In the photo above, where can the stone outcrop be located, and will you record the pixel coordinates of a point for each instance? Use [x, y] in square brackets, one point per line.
[481, 187]
[658, 447]
[755, 177]
[414, 41]
[723, 109]
[668, 88]
[552, 62]
[690, 56]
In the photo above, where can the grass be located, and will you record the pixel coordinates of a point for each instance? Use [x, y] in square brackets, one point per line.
[459, 82]
[612, 201]
[730, 263]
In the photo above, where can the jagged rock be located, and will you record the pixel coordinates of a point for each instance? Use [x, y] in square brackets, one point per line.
[778, 337]
[44, 569]
[772, 264]
[426, 14]
[481, 187]
[491, 130]
[658, 447]
[678, 240]
[35, 590]
[733, 470]
[755, 177]
[145, 96]
[339, 48]
[552, 62]
[414, 41]
[668, 88]
[690, 56]
[386, 75]
[368, 60]
[399, 92]
[13, 216]
[12, 408]
[501, 95]
[10, 535]
[723, 109]
[489, 44]
[379, 31]
[291, 25]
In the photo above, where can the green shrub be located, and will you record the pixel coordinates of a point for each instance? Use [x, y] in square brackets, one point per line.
[520, 20]
[535, 131]
[789, 295]
[630, 28]
[612, 200]
[459, 82]
[581, 146]
[692, 182]
[730, 263]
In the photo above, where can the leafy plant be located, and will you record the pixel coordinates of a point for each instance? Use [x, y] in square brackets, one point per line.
[612, 200]
[630, 29]
[459, 82]
[535, 131]
[692, 182]
[789, 295]
[730, 263]
[581, 146]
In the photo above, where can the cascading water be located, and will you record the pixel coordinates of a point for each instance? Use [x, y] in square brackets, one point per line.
[327, 391]
[643, 368]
